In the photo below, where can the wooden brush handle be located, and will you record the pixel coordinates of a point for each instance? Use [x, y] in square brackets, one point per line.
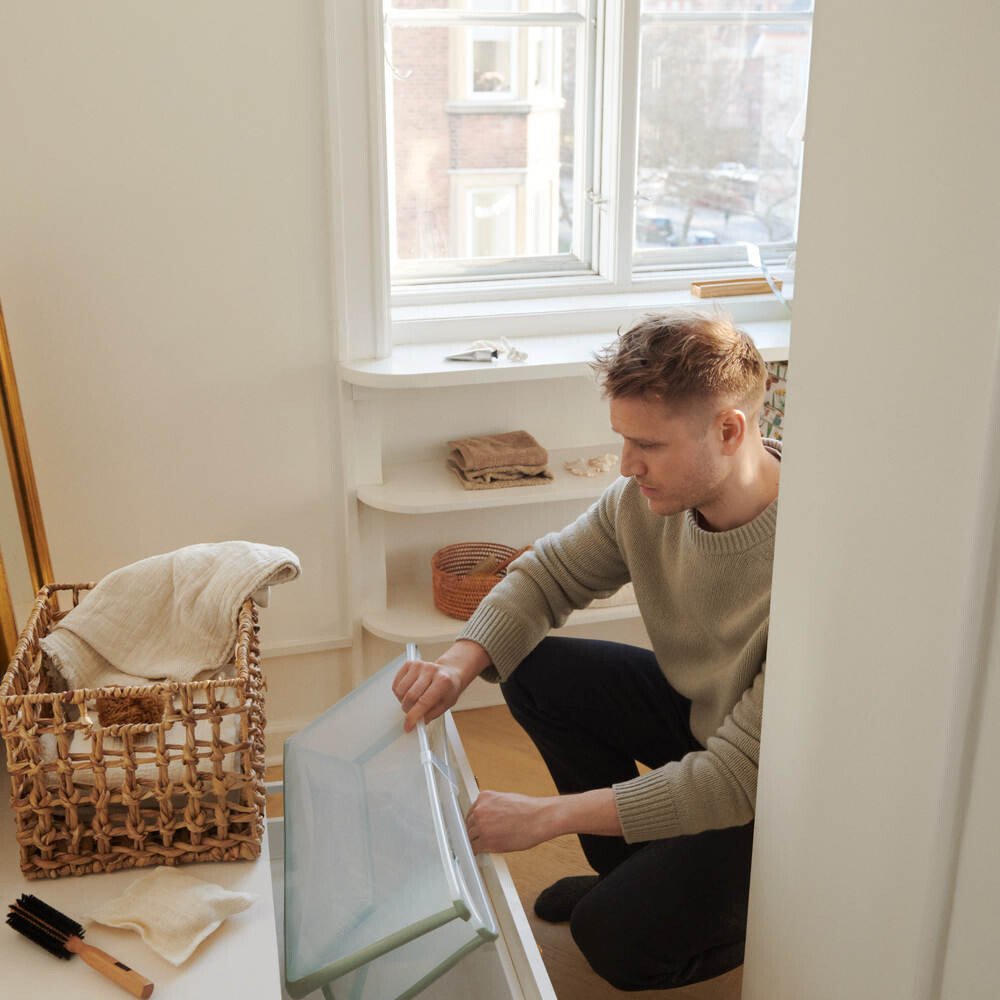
[128, 979]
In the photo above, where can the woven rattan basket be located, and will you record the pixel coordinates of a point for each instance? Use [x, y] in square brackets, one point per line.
[458, 590]
[88, 798]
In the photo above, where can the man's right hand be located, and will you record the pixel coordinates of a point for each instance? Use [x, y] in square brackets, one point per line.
[428, 689]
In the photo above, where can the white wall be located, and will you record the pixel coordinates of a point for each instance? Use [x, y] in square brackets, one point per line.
[164, 269]
[969, 971]
[895, 335]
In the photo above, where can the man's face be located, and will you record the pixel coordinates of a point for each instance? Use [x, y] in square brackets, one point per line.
[672, 455]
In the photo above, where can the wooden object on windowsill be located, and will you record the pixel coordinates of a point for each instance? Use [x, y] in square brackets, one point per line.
[731, 286]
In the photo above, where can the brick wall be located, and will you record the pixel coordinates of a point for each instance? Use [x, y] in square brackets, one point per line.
[427, 141]
[420, 138]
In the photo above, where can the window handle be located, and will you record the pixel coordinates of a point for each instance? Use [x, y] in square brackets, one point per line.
[398, 74]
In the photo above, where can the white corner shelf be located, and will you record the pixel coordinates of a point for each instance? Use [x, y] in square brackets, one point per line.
[412, 617]
[432, 488]
[401, 611]
[423, 366]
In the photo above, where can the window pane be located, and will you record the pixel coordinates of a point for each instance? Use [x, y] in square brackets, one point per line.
[529, 6]
[492, 222]
[715, 6]
[493, 67]
[717, 103]
[475, 113]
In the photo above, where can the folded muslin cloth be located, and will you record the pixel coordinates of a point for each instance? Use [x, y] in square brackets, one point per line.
[171, 911]
[170, 617]
[495, 460]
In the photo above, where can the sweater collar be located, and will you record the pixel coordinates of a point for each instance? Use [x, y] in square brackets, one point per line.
[746, 536]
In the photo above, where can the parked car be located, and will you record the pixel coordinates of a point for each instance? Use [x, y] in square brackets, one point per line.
[655, 229]
[701, 238]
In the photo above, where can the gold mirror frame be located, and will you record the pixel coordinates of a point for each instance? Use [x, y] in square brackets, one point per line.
[29, 511]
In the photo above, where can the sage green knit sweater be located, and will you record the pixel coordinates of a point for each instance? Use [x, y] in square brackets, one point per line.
[704, 598]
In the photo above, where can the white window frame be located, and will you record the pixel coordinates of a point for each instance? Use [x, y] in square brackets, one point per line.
[366, 307]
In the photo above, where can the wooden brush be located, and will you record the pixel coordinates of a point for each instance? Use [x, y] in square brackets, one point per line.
[63, 936]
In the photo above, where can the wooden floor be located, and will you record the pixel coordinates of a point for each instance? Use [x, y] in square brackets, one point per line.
[505, 760]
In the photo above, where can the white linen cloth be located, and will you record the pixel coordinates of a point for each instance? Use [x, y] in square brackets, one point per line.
[171, 911]
[168, 617]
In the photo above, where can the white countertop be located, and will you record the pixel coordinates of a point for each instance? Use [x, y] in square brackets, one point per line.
[240, 959]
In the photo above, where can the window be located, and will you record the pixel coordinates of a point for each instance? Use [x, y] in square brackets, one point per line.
[491, 222]
[616, 142]
[491, 89]
[718, 94]
[492, 62]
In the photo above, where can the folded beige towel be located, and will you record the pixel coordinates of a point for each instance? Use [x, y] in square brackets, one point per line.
[167, 617]
[492, 450]
[172, 912]
[491, 461]
[492, 479]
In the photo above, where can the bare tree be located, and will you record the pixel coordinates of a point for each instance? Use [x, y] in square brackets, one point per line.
[711, 132]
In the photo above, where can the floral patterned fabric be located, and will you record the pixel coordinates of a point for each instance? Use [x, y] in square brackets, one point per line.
[772, 417]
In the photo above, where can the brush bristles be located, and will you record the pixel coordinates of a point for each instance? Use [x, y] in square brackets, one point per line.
[39, 936]
[43, 924]
[57, 920]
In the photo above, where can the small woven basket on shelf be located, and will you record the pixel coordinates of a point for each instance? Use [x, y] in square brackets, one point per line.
[88, 797]
[464, 573]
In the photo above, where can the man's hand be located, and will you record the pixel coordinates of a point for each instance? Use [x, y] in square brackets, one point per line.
[428, 689]
[505, 821]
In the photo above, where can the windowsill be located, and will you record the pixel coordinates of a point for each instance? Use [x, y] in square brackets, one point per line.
[499, 106]
[423, 366]
[596, 311]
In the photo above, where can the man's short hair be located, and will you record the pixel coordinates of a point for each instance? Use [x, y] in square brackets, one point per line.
[683, 357]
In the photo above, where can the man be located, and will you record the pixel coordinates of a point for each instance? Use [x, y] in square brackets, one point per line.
[691, 524]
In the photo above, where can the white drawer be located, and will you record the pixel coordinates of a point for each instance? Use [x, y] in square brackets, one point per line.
[509, 966]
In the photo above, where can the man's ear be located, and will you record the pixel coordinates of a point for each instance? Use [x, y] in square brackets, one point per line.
[732, 428]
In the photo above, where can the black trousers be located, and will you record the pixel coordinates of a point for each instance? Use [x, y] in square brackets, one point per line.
[665, 913]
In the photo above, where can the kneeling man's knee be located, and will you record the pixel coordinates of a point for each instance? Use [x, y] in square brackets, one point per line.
[620, 953]
[531, 680]
[598, 932]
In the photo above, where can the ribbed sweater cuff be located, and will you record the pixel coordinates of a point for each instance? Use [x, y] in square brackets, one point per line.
[646, 808]
[499, 635]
